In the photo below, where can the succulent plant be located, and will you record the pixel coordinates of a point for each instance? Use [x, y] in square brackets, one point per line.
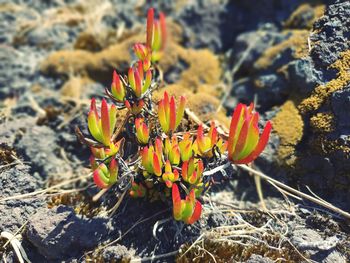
[244, 143]
[102, 126]
[170, 117]
[138, 80]
[105, 176]
[142, 131]
[156, 35]
[161, 158]
[188, 210]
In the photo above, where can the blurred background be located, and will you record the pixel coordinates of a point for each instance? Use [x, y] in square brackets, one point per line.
[290, 57]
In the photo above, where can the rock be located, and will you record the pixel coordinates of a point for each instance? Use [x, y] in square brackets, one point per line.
[302, 76]
[200, 17]
[39, 145]
[325, 109]
[258, 259]
[332, 37]
[16, 68]
[226, 19]
[320, 249]
[58, 233]
[249, 46]
[340, 103]
[16, 181]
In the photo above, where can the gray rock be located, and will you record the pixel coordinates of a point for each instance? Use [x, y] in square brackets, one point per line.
[258, 259]
[200, 17]
[249, 46]
[334, 256]
[273, 90]
[58, 233]
[39, 145]
[16, 181]
[340, 103]
[321, 249]
[302, 76]
[332, 37]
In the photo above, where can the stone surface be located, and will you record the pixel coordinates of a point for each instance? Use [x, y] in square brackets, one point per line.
[59, 233]
[15, 181]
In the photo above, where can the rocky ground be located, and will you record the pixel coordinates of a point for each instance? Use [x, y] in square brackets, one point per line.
[292, 57]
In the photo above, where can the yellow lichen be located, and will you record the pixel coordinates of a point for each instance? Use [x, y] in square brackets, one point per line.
[322, 144]
[323, 122]
[297, 41]
[322, 93]
[289, 125]
[296, 18]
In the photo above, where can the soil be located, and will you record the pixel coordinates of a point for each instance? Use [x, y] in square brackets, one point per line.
[291, 56]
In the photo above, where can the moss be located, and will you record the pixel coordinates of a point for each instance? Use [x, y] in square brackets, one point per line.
[323, 92]
[323, 122]
[73, 88]
[87, 41]
[289, 126]
[323, 145]
[203, 66]
[225, 251]
[97, 66]
[310, 12]
[81, 203]
[297, 42]
[7, 154]
[205, 106]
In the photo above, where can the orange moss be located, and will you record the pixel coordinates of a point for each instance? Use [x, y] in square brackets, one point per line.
[323, 122]
[205, 106]
[297, 41]
[74, 86]
[87, 41]
[289, 126]
[296, 18]
[82, 62]
[323, 92]
[226, 251]
[203, 66]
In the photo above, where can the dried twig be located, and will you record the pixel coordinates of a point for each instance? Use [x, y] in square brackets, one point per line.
[17, 246]
[43, 191]
[296, 192]
[152, 258]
